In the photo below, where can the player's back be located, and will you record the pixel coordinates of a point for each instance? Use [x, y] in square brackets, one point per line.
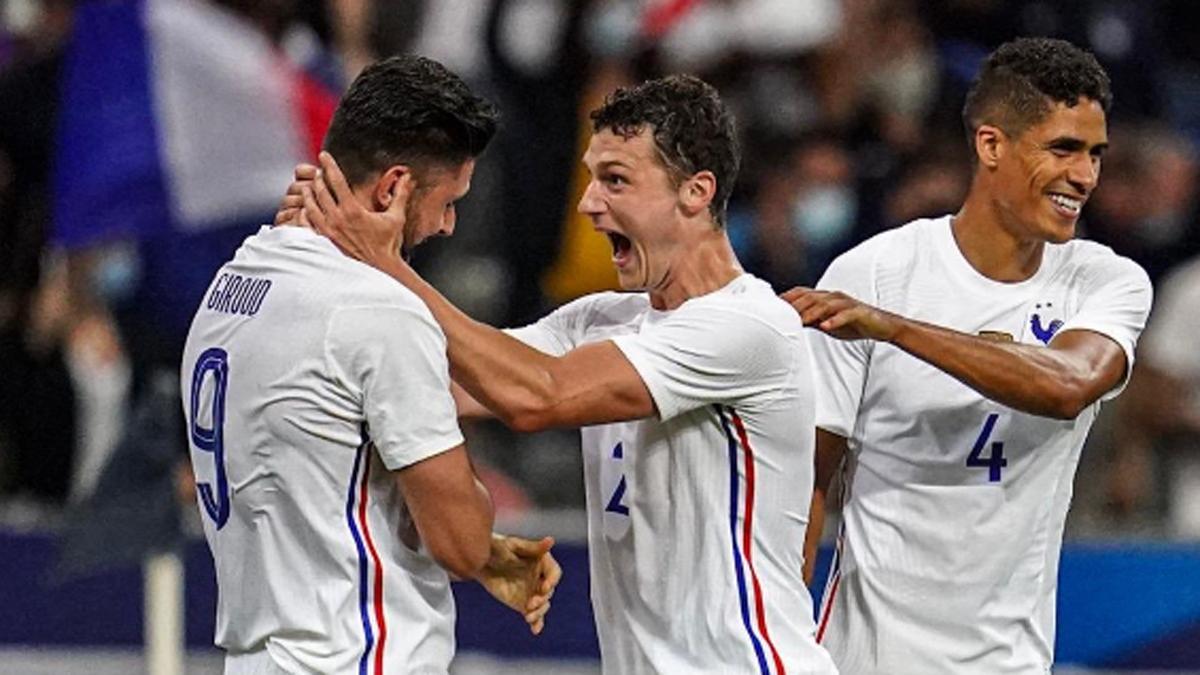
[299, 512]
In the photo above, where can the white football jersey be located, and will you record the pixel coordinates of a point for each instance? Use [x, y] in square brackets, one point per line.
[953, 516]
[307, 379]
[696, 519]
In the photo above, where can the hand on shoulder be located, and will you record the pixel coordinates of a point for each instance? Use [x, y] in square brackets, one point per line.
[841, 316]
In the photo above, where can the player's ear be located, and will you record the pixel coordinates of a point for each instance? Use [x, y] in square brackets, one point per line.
[697, 192]
[989, 145]
[385, 187]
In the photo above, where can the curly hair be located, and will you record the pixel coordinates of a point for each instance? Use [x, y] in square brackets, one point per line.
[408, 110]
[693, 130]
[1023, 78]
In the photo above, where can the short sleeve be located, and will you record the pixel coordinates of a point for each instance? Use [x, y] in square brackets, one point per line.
[841, 365]
[1115, 304]
[698, 357]
[395, 358]
[556, 333]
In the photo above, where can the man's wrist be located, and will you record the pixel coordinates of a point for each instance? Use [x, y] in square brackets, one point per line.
[497, 548]
[397, 269]
[901, 328]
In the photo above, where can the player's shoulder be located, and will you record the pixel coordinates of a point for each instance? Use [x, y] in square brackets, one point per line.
[1092, 263]
[742, 305]
[327, 280]
[604, 309]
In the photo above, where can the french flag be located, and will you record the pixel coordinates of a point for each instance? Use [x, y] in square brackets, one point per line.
[176, 116]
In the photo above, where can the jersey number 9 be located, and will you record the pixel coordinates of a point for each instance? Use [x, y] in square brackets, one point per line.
[212, 439]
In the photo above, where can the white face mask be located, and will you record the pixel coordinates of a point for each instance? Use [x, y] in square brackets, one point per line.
[19, 17]
[824, 215]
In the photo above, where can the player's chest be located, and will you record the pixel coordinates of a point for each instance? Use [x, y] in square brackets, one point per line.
[940, 424]
[1031, 315]
[911, 386]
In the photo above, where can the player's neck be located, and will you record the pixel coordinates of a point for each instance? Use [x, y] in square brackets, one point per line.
[990, 247]
[706, 266]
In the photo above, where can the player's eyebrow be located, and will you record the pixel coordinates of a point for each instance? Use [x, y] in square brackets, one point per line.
[1073, 144]
[606, 164]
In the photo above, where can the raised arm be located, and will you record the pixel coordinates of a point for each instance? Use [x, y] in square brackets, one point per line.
[1059, 380]
[527, 389]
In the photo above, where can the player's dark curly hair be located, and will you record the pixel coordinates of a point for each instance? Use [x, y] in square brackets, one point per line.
[693, 130]
[407, 110]
[1021, 80]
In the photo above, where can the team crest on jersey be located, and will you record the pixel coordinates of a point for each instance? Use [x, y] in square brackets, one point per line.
[1043, 327]
[996, 335]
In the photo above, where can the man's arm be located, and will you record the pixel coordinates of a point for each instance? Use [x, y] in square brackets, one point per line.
[468, 408]
[451, 509]
[525, 388]
[1059, 380]
[528, 389]
[831, 450]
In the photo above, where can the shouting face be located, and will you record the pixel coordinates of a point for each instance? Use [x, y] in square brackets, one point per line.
[633, 200]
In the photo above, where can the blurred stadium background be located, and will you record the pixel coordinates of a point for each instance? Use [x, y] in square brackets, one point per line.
[141, 140]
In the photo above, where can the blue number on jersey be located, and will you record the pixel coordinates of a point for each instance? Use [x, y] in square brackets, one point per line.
[616, 503]
[216, 361]
[996, 461]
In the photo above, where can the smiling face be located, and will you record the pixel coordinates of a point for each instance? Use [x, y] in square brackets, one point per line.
[633, 200]
[431, 210]
[1045, 174]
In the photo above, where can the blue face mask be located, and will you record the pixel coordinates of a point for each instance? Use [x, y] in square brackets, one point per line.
[824, 215]
[116, 274]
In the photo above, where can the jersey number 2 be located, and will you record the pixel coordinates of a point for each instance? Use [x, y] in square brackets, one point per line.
[994, 462]
[212, 439]
[616, 502]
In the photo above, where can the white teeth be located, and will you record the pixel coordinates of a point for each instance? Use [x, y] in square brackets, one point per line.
[1072, 205]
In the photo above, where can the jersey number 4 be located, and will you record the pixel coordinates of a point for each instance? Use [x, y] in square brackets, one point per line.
[994, 462]
[212, 363]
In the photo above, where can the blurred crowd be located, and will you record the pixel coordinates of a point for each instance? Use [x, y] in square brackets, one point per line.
[849, 114]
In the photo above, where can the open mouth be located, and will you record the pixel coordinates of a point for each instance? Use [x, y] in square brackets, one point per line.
[621, 247]
[1066, 205]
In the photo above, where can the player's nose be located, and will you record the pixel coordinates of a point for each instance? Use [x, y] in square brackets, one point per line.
[1084, 173]
[591, 203]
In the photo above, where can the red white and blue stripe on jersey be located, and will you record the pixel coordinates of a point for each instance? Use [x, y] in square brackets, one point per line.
[370, 571]
[741, 523]
[831, 586]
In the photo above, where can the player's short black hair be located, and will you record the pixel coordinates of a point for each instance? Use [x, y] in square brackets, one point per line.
[693, 130]
[1023, 78]
[407, 110]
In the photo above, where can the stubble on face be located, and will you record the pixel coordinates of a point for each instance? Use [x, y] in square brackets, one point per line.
[434, 195]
